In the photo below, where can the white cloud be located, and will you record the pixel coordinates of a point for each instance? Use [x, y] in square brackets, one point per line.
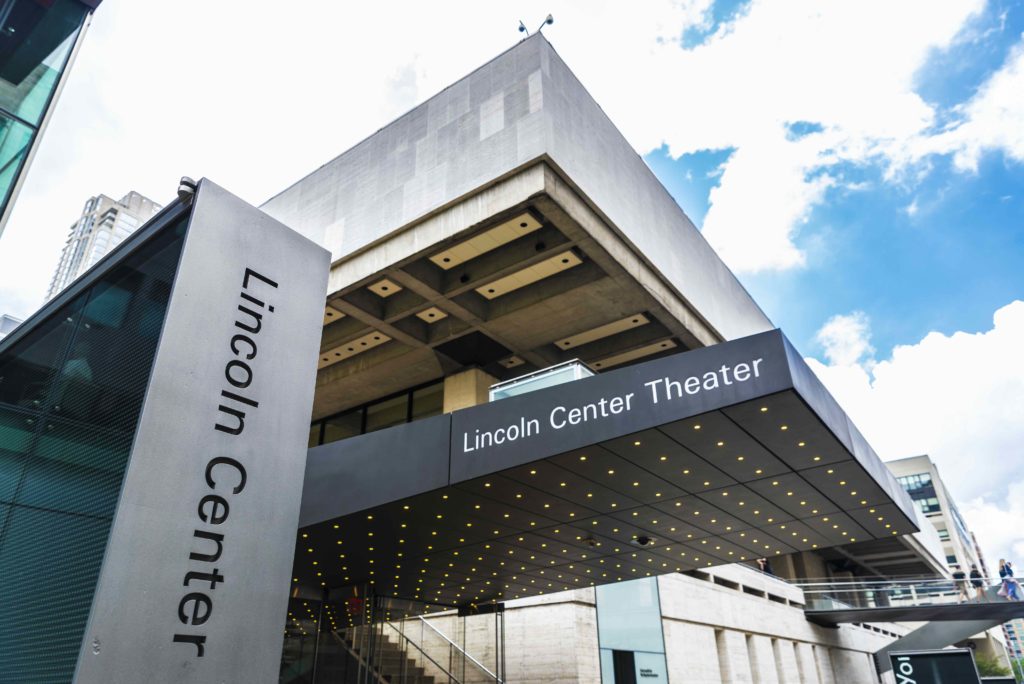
[992, 119]
[846, 338]
[960, 399]
[256, 98]
[776, 64]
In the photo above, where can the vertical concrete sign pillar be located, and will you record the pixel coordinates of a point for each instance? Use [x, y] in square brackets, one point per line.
[195, 580]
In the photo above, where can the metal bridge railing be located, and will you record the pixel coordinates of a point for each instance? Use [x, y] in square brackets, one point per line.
[840, 595]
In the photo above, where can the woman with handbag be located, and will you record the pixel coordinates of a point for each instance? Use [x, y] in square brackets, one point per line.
[1009, 588]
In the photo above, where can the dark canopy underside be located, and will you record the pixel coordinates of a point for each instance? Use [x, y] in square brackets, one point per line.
[735, 462]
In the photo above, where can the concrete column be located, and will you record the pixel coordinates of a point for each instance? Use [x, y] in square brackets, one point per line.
[690, 652]
[762, 660]
[732, 657]
[785, 661]
[465, 389]
[806, 666]
[823, 661]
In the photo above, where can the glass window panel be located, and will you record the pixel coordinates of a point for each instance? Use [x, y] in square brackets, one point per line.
[387, 413]
[629, 616]
[428, 401]
[15, 140]
[44, 558]
[70, 394]
[35, 40]
[343, 426]
[314, 435]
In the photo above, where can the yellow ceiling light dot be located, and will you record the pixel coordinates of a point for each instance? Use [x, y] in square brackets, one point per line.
[853, 493]
[863, 502]
[533, 472]
[801, 444]
[696, 427]
[758, 471]
[306, 536]
[775, 483]
[636, 443]
[707, 483]
[842, 483]
[636, 484]
[720, 443]
[725, 493]
[739, 458]
[611, 472]
[487, 484]
[583, 458]
[817, 458]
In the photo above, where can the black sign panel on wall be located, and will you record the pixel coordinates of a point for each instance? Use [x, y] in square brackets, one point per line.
[949, 666]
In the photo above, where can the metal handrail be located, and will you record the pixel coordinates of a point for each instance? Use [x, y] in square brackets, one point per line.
[906, 582]
[426, 655]
[460, 649]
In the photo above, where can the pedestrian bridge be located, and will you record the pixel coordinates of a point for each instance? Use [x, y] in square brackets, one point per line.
[937, 603]
[911, 600]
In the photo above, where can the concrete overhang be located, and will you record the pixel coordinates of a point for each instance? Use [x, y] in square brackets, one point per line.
[519, 134]
[717, 455]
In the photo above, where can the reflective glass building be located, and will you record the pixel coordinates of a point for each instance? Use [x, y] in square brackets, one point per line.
[38, 42]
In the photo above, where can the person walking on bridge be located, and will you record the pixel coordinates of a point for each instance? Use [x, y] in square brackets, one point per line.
[978, 583]
[1009, 588]
[960, 580]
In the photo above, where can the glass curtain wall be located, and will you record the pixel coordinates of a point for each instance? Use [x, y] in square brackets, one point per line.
[71, 391]
[36, 40]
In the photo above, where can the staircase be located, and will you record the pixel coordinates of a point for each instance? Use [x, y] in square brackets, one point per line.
[390, 662]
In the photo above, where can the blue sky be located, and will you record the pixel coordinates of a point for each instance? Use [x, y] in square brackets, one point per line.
[945, 268]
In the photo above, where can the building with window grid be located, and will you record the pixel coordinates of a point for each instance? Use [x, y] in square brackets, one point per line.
[103, 225]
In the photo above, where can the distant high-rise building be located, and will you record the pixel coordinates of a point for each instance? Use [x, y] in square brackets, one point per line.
[920, 478]
[7, 324]
[104, 223]
[38, 42]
